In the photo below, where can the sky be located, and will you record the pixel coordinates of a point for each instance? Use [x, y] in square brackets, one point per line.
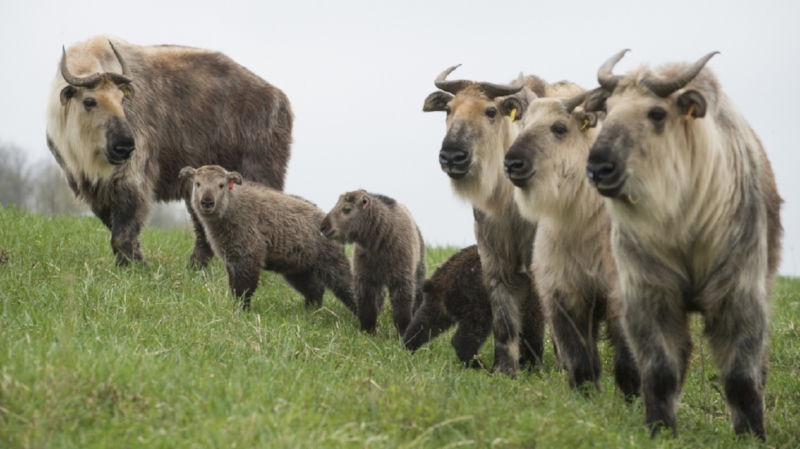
[357, 73]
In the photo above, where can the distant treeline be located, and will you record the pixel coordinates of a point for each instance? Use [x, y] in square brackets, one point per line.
[42, 188]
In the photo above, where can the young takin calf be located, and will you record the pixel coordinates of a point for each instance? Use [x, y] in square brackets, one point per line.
[252, 227]
[389, 251]
[575, 272]
[454, 294]
[695, 227]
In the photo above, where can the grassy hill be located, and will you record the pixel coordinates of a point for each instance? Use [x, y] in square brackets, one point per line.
[92, 355]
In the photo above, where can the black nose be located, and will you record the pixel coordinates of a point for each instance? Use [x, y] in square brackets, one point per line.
[512, 166]
[207, 203]
[600, 172]
[450, 157]
[323, 228]
[123, 149]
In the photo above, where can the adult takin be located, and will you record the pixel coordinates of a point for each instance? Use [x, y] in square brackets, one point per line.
[575, 272]
[454, 294]
[123, 119]
[252, 227]
[695, 228]
[481, 126]
[389, 252]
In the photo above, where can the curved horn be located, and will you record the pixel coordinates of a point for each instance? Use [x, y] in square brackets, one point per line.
[573, 102]
[454, 86]
[604, 74]
[664, 87]
[501, 90]
[77, 81]
[126, 76]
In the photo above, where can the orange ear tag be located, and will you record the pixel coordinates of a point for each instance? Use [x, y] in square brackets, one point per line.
[230, 184]
[689, 112]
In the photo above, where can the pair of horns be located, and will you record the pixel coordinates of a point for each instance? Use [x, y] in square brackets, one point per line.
[93, 80]
[489, 89]
[659, 86]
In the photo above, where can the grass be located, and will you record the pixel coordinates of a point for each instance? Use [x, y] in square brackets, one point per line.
[158, 356]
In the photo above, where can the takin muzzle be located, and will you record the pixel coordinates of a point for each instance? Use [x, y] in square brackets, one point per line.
[606, 167]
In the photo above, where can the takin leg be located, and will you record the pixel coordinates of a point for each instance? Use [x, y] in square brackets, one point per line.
[202, 252]
[338, 277]
[468, 339]
[658, 333]
[243, 276]
[533, 323]
[626, 373]
[428, 323]
[576, 335]
[128, 216]
[738, 331]
[369, 296]
[506, 327]
[420, 279]
[309, 285]
[401, 295]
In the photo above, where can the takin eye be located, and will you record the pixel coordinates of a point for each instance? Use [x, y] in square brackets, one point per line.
[197, 184]
[221, 186]
[491, 112]
[657, 115]
[89, 103]
[346, 210]
[559, 129]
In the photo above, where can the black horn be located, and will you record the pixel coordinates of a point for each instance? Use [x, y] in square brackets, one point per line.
[126, 76]
[453, 87]
[664, 87]
[573, 102]
[605, 77]
[77, 81]
[502, 90]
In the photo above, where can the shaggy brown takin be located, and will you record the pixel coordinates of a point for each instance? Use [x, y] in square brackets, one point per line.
[481, 126]
[454, 294]
[252, 227]
[389, 251]
[695, 228]
[575, 273]
[123, 119]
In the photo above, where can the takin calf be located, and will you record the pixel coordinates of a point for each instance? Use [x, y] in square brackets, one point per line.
[695, 227]
[454, 294]
[253, 227]
[575, 272]
[389, 251]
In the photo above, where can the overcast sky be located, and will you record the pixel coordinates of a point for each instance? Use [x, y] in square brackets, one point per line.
[357, 74]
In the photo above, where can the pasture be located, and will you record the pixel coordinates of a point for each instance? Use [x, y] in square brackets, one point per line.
[92, 355]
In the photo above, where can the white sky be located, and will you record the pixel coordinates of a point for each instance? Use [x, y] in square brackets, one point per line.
[357, 74]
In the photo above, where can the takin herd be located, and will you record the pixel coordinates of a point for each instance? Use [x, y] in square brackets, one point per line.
[634, 204]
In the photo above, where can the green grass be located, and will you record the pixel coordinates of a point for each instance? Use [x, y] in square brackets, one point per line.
[158, 356]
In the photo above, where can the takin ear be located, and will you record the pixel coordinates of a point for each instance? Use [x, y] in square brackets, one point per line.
[596, 100]
[589, 119]
[67, 93]
[187, 173]
[364, 203]
[692, 103]
[437, 101]
[512, 107]
[127, 90]
[234, 177]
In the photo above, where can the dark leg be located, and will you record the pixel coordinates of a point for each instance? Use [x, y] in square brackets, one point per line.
[626, 373]
[468, 339]
[127, 218]
[243, 276]
[576, 335]
[427, 324]
[533, 323]
[420, 279]
[506, 327]
[308, 285]
[202, 253]
[338, 277]
[368, 295]
[401, 294]
[104, 214]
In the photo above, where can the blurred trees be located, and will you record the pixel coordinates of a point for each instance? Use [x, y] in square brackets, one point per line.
[43, 188]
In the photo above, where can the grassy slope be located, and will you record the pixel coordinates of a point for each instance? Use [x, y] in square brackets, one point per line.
[157, 356]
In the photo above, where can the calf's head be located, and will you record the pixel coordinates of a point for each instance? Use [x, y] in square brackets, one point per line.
[344, 220]
[211, 189]
[645, 146]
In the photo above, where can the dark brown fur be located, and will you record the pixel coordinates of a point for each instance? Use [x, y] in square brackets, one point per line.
[454, 295]
[191, 107]
[252, 227]
[389, 252]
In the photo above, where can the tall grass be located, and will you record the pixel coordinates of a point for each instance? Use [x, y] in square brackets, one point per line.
[159, 356]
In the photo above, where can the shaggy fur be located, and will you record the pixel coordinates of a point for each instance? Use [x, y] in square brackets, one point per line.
[454, 294]
[696, 228]
[481, 129]
[575, 273]
[252, 227]
[185, 106]
[389, 252]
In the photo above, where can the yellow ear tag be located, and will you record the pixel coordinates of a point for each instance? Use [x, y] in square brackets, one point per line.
[585, 126]
[126, 92]
[513, 114]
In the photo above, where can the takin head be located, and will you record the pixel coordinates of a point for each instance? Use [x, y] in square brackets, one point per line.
[211, 187]
[343, 221]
